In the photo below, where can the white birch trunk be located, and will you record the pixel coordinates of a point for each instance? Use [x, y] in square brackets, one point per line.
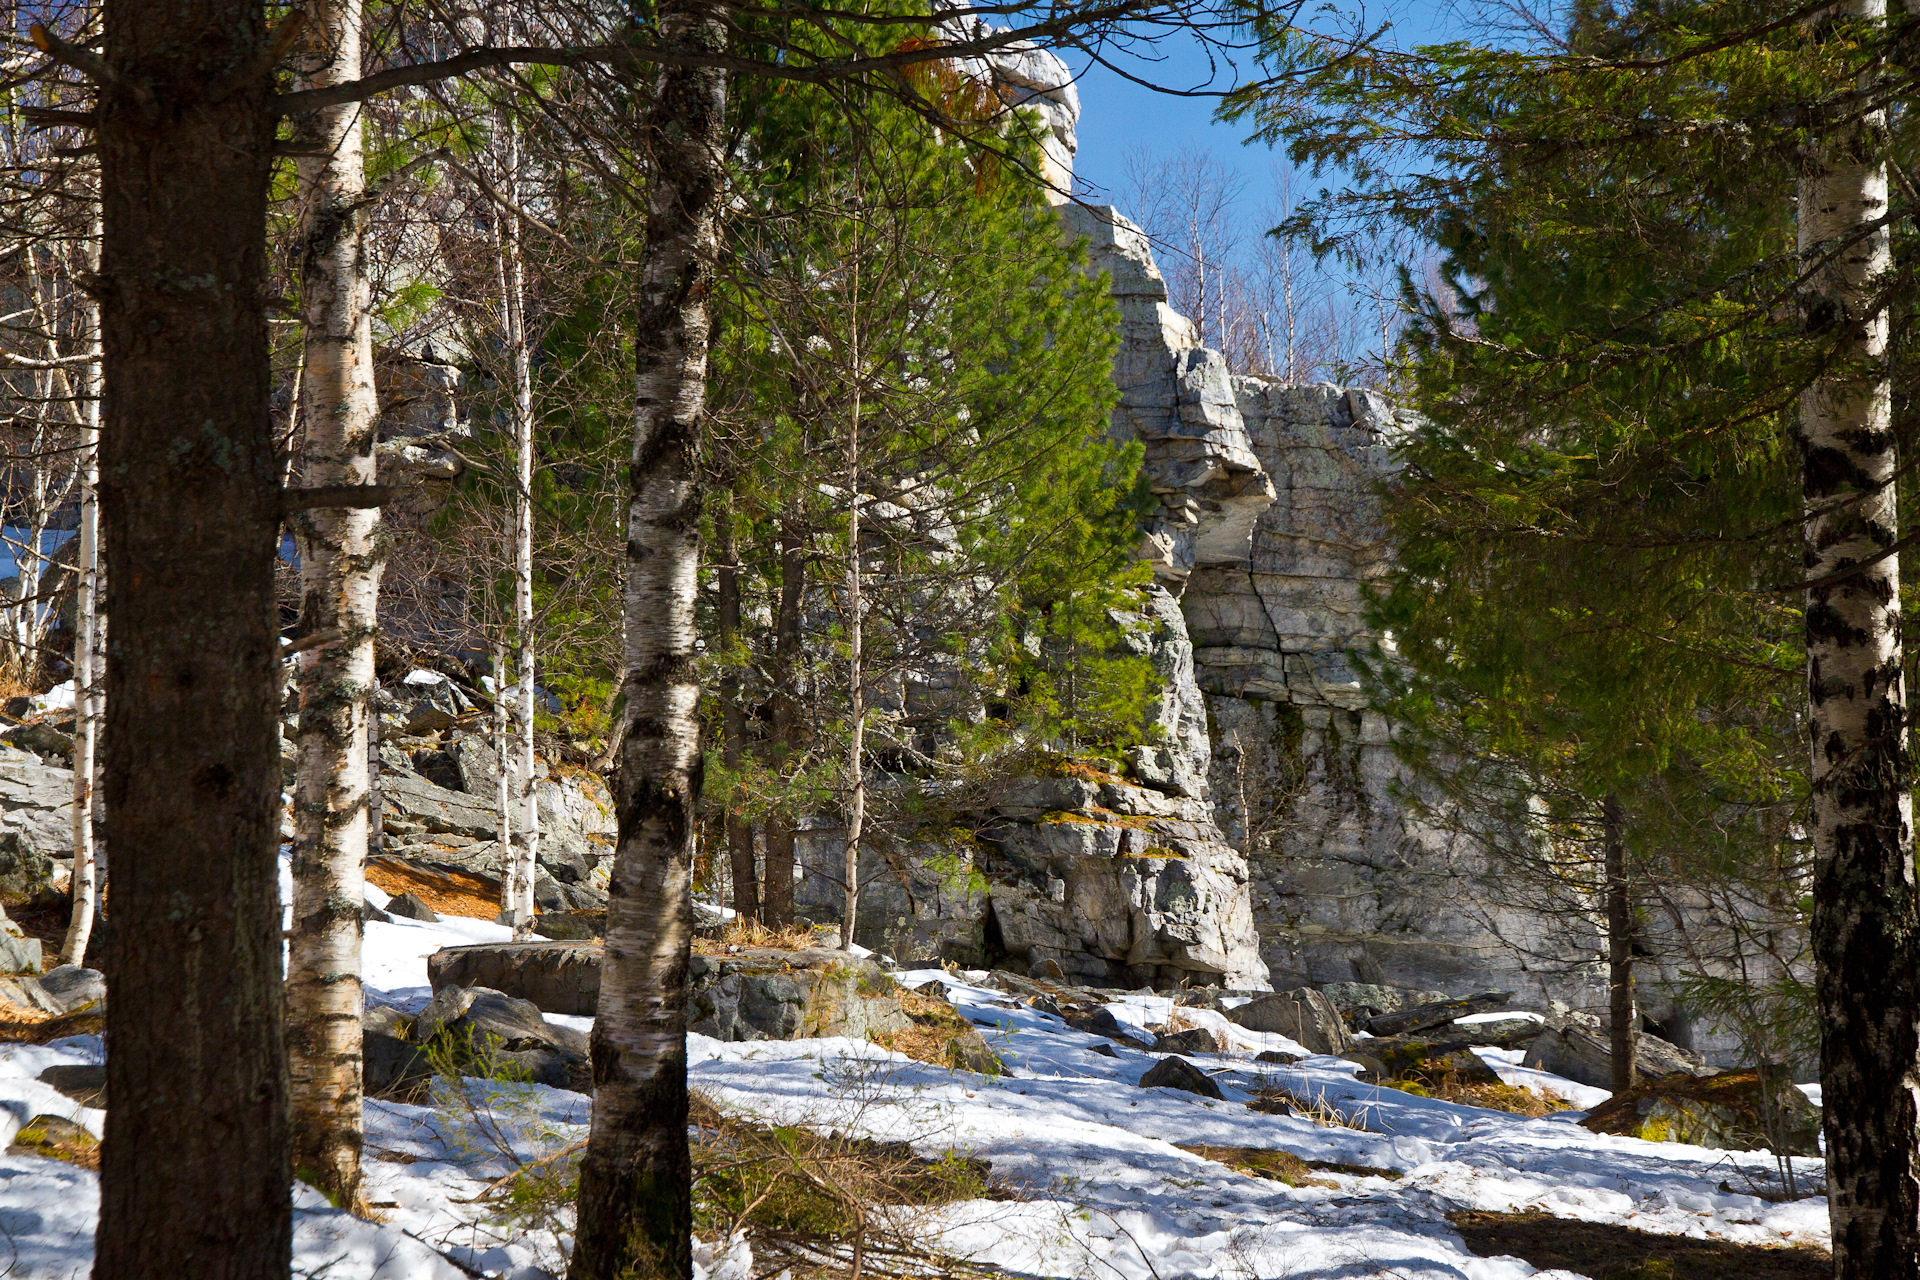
[339, 582]
[856, 635]
[519, 911]
[1865, 914]
[503, 751]
[635, 1207]
[87, 652]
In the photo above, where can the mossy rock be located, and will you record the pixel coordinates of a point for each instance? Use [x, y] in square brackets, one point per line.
[1732, 1111]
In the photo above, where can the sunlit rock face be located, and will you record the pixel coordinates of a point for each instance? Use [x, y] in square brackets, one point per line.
[1349, 883]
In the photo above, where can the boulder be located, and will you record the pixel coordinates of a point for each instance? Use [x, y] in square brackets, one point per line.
[1359, 1001]
[1732, 1111]
[493, 1030]
[969, 1051]
[25, 865]
[23, 991]
[1195, 1040]
[1303, 1015]
[43, 739]
[1427, 1060]
[1436, 1013]
[410, 797]
[1506, 1033]
[566, 927]
[75, 988]
[86, 1085]
[766, 994]
[1273, 1057]
[1100, 1021]
[408, 906]
[554, 975]
[391, 1065]
[18, 954]
[1585, 1056]
[1178, 1073]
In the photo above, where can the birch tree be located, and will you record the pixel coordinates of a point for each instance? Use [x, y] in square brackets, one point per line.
[88, 647]
[1866, 918]
[339, 587]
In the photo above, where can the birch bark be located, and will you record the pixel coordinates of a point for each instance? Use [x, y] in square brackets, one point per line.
[519, 908]
[339, 587]
[1865, 920]
[87, 652]
[635, 1204]
[856, 635]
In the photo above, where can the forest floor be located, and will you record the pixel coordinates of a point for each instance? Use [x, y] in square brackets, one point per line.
[1091, 1176]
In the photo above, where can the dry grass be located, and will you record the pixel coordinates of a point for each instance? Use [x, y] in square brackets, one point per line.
[742, 932]
[825, 1204]
[449, 893]
[1262, 1162]
[30, 1026]
[939, 1035]
[1500, 1096]
[1609, 1252]
[1275, 1099]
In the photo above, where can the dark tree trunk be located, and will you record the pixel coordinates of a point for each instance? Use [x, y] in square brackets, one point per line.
[1866, 929]
[1621, 1006]
[195, 1175]
[777, 895]
[733, 714]
[636, 1193]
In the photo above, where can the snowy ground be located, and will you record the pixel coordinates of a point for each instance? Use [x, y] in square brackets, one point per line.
[1107, 1193]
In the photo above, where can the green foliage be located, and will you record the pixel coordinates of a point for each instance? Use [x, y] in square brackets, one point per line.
[1599, 518]
[891, 280]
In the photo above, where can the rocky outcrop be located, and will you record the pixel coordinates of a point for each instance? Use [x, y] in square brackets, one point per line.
[439, 789]
[1112, 883]
[558, 977]
[1178, 399]
[1732, 1111]
[1586, 1056]
[758, 994]
[1349, 884]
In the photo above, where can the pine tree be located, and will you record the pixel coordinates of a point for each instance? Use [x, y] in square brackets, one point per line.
[1726, 164]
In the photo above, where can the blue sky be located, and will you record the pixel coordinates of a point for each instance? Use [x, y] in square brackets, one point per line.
[1118, 116]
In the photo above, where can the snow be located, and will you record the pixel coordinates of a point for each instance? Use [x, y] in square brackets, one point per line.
[1107, 1193]
[58, 698]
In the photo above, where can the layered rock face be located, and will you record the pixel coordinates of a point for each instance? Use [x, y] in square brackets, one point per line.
[1349, 884]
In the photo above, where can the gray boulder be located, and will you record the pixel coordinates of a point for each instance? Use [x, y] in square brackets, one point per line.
[1436, 1013]
[1302, 1014]
[408, 906]
[1507, 1033]
[558, 976]
[1178, 1073]
[490, 1029]
[765, 994]
[391, 1065]
[1583, 1056]
[19, 954]
[1359, 1001]
[74, 987]
[437, 809]
[1195, 1040]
